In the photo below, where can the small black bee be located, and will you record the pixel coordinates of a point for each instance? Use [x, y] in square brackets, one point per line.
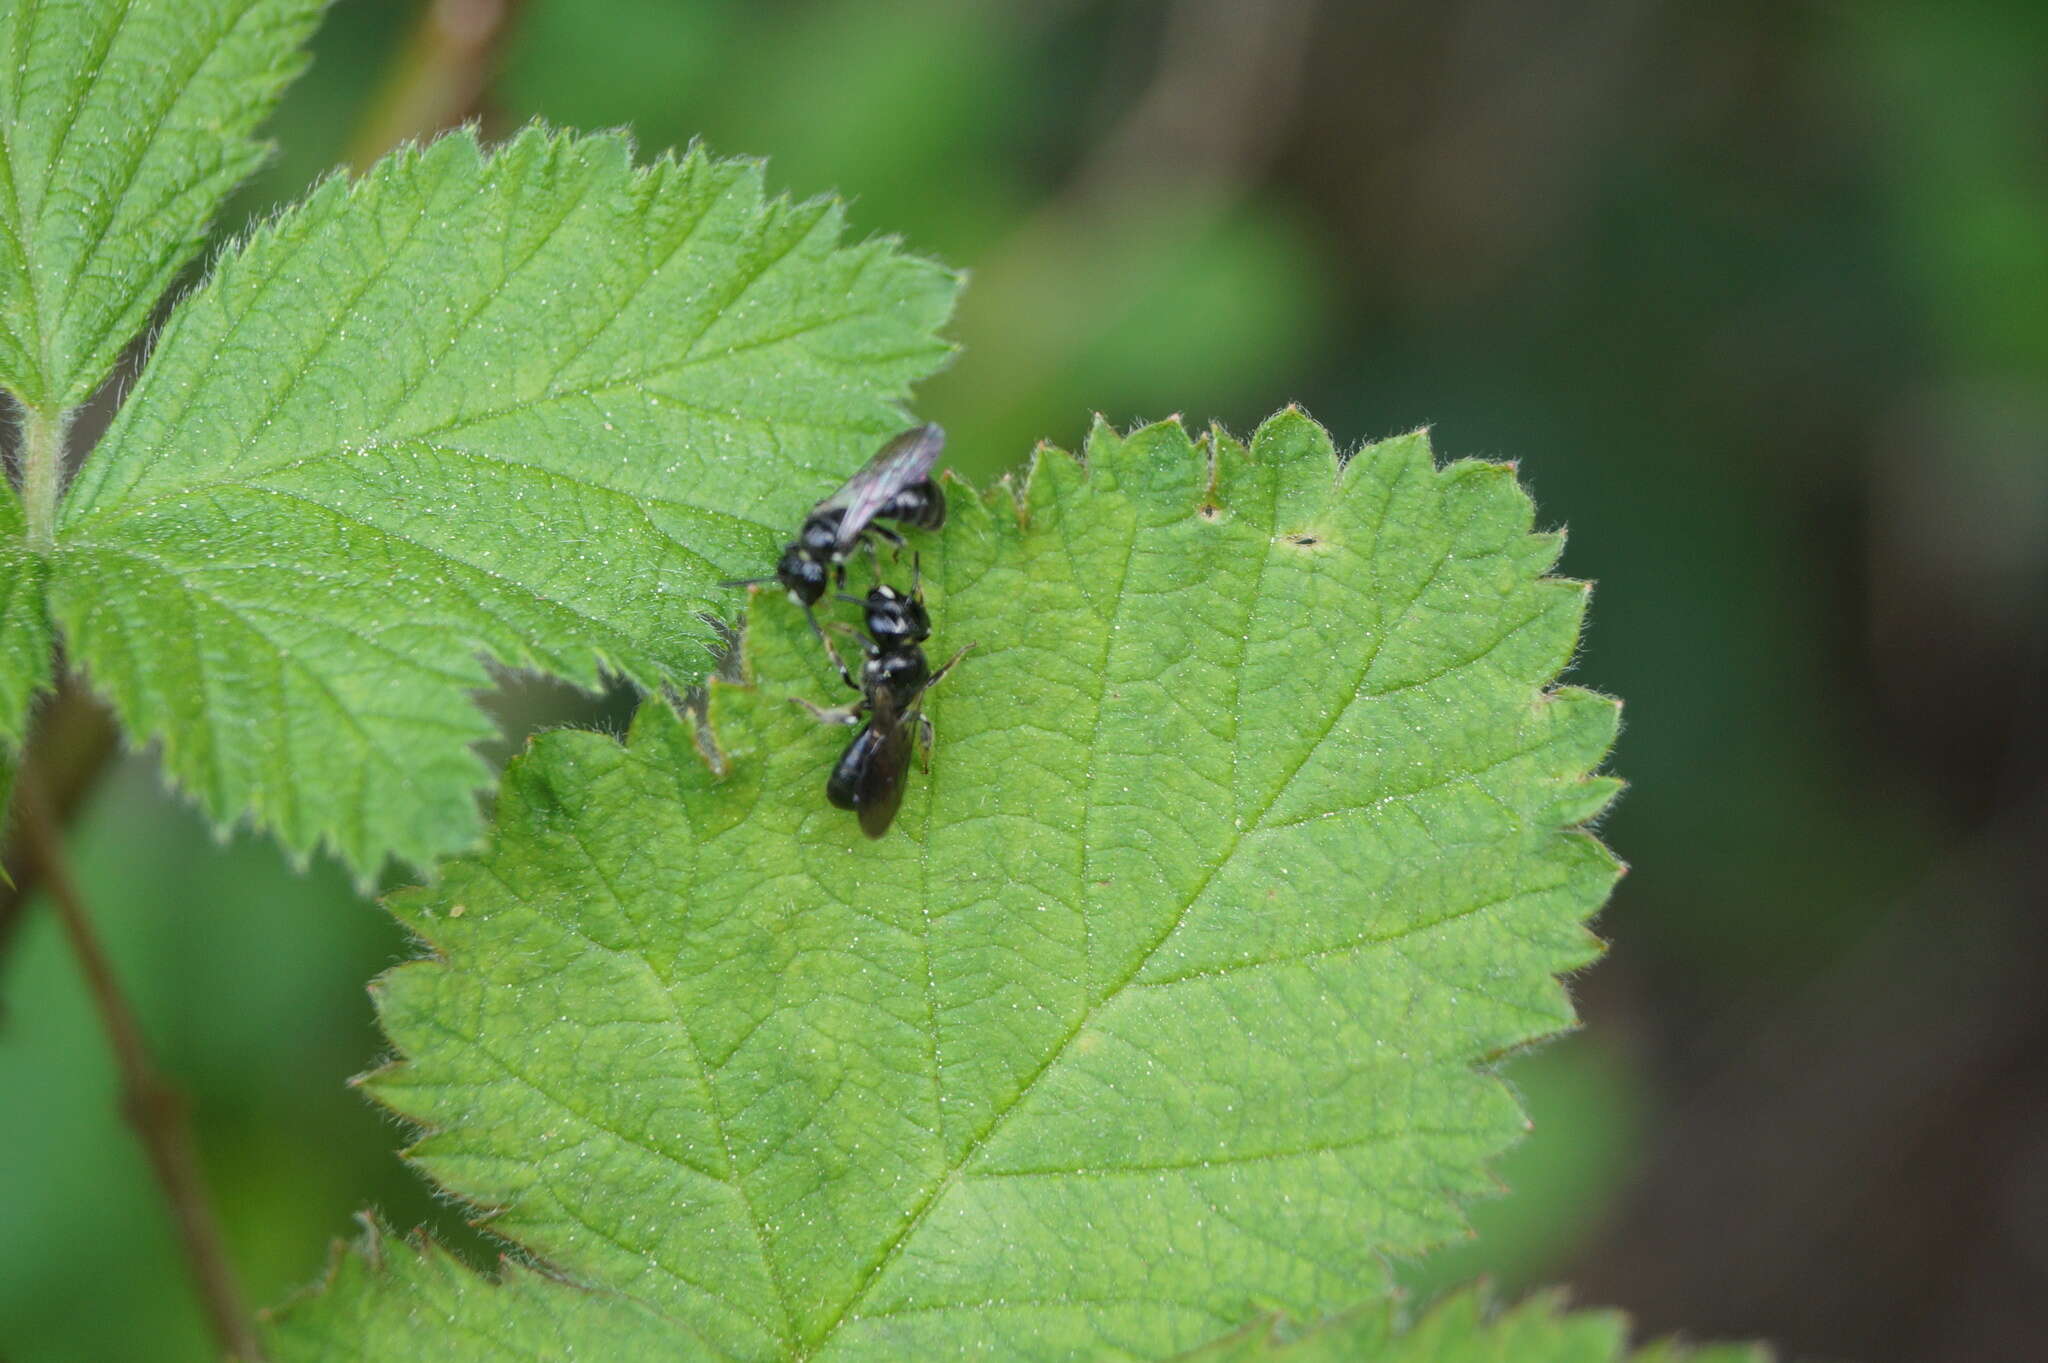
[896, 485]
[869, 776]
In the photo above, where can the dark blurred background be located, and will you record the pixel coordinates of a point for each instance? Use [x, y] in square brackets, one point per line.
[1756, 292]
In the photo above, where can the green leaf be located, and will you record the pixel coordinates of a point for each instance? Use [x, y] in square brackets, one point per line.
[531, 406]
[127, 122]
[1250, 840]
[381, 1290]
[24, 624]
[388, 1298]
[1462, 1330]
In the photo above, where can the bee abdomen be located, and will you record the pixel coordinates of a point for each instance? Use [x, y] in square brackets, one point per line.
[921, 506]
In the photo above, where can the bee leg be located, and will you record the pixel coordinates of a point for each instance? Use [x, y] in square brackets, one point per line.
[896, 545]
[947, 667]
[867, 542]
[837, 661]
[845, 714]
[925, 732]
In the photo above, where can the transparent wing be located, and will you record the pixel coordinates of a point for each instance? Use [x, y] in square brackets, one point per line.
[880, 793]
[905, 461]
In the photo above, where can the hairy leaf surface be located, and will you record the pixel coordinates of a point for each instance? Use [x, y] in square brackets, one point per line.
[126, 123]
[530, 406]
[1253, 834]
[24, 624]
[383, 1289]
[1462, 1330]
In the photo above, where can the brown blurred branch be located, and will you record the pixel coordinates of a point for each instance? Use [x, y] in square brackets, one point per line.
[151, 1104]
[72, 739]
[439, 78]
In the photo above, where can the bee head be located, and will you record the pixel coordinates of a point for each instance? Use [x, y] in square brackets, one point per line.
[820, 534]
[803, 575]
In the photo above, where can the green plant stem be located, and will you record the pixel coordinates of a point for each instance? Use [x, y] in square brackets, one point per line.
[152, 1105]
[42, 471]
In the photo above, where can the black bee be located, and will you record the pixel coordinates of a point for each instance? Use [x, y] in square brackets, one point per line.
[869, 776]
[896, 485]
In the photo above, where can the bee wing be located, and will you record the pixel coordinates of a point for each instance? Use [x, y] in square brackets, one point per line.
[905, 461]
[843, 788]
[880, 790]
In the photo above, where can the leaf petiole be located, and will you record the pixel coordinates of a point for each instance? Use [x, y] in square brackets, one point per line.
[42, 470]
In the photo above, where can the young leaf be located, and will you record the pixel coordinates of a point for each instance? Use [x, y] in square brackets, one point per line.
[1252, 830]
[532, 405]
[128, 121]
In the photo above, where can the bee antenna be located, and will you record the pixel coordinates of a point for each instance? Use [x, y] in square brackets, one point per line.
[849, 600]
[748, 582]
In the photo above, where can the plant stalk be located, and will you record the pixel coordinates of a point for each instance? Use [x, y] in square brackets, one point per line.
[42, 471]
[150, 1102]
[72, 741]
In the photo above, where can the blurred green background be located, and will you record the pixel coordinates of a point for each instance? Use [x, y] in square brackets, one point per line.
[1757, 293]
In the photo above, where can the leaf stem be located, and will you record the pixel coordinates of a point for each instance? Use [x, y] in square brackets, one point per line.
[152, 1105]
[42, 470]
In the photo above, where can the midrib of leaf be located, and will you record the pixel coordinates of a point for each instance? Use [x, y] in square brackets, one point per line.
[87, 74]
[1244, 638]
[1383, 630]
[644, 960]
[369, 280]
[785, 1330]
[395, 432]
[456, 333]
[277, 607]
[526, 1081]
[930, 981]
[745, 283]
[19, 236]
[1243, 827]
[1111, 632]
[398, 767]
[461, 453]
[199, 388]
[181, 84]
[1355, 945]
[689, 359]
[1386, 796]
[80, 536]
[89, 71]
